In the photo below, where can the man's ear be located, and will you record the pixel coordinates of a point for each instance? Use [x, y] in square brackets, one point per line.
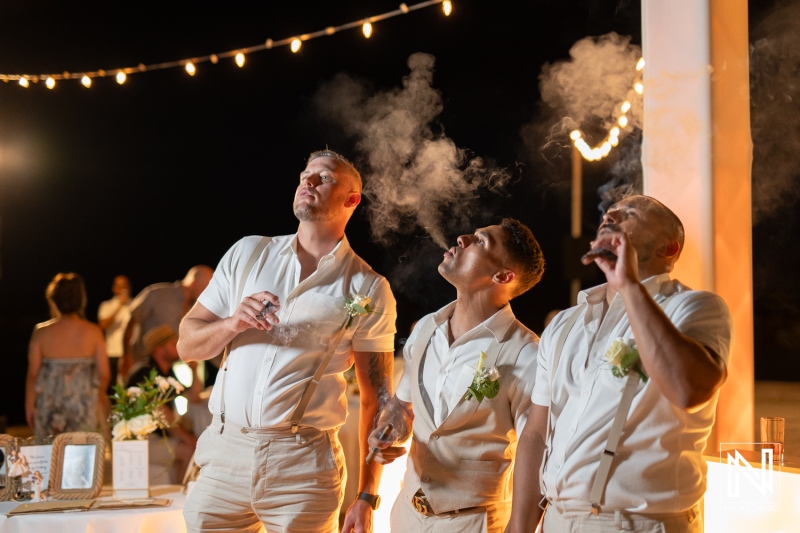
[353, 199]
[504, 276]
[671, 249]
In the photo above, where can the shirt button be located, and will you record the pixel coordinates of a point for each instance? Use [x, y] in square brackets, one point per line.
[258, 393]
[558, 467]
[425, 479]
[573, 428]
[585, 392]
[435, 437]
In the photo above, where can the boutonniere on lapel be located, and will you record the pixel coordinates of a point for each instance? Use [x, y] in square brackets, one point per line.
[485, 382]
[357, 305]
[623, 358]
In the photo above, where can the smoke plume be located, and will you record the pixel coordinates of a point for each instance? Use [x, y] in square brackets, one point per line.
[774, 97]
[414, 178]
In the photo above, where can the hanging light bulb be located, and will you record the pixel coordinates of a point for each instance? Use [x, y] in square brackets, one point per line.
[121, 77]
[447, 7]
[366, 28]
[50, 82]
[86, 81]
[639, 88]
[296, 44]
[625, 106]
[239, 59]
[404, 8]
[23, 82]
[191, 70]
[575, 135]
[640, 65]
[623, 121]
[214, 59]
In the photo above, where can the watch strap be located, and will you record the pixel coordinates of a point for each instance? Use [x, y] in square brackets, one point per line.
[373, 499]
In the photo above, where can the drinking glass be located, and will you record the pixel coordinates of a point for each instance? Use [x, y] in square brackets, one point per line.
[772, 428]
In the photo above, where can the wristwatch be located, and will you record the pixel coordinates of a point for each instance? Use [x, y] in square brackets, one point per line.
[373, 499]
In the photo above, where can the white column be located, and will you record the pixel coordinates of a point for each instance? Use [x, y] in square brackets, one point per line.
[697, 158]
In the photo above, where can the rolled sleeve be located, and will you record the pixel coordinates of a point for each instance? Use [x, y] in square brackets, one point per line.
[375, 331]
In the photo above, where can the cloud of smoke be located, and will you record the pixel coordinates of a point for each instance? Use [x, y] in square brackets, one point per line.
[775, 123]
[414, 178]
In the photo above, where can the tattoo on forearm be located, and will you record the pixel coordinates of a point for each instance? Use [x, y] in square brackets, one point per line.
[379, 372]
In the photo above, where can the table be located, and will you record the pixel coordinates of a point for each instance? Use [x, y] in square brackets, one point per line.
[151, 520]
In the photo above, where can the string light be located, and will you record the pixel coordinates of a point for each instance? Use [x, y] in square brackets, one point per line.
[239, 59]
[121, 77]
[294, 44]
[612, 138]
[366, 29]
[50, 83]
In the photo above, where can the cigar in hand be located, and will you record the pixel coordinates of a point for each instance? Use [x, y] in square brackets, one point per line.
[268, 307]
[383, 436]
[594, 253]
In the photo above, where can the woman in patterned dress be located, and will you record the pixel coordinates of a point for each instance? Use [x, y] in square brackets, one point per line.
[68, 367]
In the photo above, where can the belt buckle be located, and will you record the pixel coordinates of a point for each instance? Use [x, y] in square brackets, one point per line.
[420, 504]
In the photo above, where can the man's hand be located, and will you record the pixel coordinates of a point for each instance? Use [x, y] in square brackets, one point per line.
[624, 270]
[255, 311]
[358, 518]
[386, 452]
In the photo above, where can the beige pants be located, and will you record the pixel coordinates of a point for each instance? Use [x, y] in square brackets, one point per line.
[251, 480]
[406, 519]
[585, 522]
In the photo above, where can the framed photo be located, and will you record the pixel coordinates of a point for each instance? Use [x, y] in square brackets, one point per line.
[76, 471]
[6, 443]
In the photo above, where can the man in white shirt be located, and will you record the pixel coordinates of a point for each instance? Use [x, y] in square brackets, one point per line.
[467, 408]
[645, 472]
[271, 457]
[112, 317]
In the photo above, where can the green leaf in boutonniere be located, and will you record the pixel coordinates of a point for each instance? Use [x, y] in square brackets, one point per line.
[624, 358]
[485, 382]
[358, 305]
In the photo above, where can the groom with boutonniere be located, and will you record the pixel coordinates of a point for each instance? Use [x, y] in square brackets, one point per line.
[627, 387]
[469, 373]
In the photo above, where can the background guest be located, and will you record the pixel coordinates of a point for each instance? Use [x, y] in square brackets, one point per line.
[113, 316]
[68, 369]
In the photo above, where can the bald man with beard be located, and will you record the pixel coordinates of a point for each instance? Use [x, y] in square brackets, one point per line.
[626, 390]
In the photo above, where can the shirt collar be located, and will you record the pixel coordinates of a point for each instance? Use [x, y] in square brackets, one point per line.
[595, 295]
[337, 254]
[497, 324]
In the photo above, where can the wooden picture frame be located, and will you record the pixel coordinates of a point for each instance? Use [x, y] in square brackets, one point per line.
[6, 443]
[77, 466]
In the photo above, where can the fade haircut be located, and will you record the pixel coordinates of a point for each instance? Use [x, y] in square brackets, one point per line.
[525, 254]
[342, 159]
[674, 227]
[67, 294]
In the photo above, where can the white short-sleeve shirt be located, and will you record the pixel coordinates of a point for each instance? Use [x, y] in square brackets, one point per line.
[658, 465]
[268, 370]
[449, 369]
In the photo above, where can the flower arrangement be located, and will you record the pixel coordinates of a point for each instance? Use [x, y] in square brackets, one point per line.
[624, 358]
[358, 305]
[485, 382]
[136, 411]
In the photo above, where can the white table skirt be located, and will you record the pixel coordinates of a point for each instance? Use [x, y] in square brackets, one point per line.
[149, 520]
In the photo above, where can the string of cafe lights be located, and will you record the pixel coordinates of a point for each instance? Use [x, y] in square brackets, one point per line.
[612, 137]
[238, 55]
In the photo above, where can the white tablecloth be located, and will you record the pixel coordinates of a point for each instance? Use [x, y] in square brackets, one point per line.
[152, 520]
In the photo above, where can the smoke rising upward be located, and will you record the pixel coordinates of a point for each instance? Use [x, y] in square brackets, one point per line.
[775, 122]
[415, 178]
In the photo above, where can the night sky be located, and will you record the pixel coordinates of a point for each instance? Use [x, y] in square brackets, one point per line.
[168, 171]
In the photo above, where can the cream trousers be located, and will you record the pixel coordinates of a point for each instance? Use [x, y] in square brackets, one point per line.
[253, 479]
[556, 521]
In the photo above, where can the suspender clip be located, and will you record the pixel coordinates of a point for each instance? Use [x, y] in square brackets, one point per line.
[595, 509]
[294, 427]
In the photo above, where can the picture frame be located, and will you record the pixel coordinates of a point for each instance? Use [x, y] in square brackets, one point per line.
[77, 466]
[6, 443]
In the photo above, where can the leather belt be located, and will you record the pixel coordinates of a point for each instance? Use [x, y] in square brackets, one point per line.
[422, 506]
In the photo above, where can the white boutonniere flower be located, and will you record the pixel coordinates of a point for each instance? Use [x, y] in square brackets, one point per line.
[485, 382]
[357, 305]
[623, 358]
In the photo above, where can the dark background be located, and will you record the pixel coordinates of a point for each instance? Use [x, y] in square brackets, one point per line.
[167, 171]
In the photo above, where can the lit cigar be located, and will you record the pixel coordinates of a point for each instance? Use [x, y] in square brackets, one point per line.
[594, 253]
[383, 436]
[268, 307]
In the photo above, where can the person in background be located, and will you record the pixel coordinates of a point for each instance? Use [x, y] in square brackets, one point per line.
[68, 369]
[113, 316]
[157, 304]
[168, 460]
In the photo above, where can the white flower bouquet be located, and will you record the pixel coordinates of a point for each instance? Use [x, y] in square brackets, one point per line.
[624, 358]
[485, 382]
[136, 411]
